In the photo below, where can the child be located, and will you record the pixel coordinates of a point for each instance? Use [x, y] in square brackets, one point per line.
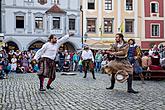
[80, 65]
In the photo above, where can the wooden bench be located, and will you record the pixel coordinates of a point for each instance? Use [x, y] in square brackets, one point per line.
[152, 74]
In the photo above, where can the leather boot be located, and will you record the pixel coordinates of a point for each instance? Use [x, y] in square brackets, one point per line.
[48, 87]
[130, 90]
[85, 74]
[41, 83]
[93, 74]
[112, 82]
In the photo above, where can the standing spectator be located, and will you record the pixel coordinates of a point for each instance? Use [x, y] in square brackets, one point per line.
[98, 60]
[75, 61]
[80, 65]
[6, 67]
[62, 58]
[161, 50]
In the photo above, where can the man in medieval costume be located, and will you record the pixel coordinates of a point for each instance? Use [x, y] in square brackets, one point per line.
[88, 61]
[46, 56]
[120, 63]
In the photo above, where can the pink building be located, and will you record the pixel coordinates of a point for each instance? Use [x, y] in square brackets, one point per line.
[153, 23]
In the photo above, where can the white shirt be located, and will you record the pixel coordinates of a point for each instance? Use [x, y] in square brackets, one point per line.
[87, 54]
[49, 50]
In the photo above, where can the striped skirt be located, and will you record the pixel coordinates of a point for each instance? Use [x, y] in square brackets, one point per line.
[47, 68]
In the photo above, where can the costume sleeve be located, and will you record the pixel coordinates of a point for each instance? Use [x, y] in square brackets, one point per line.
[82, 55]
[40, 51]
[112, 48]
[91, 53]
[122, 52]
[138, 52]
[63, 39]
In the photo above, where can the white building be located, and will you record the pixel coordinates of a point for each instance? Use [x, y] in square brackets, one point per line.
[28, 23]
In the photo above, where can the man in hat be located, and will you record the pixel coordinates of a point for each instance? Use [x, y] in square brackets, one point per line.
[120, 62]
[88, 61]
[46, 56]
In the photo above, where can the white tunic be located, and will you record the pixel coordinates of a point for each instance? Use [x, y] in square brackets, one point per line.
[87, 54]
[49, 50]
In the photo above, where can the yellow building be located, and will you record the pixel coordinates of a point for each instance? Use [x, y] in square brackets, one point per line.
[102, 19]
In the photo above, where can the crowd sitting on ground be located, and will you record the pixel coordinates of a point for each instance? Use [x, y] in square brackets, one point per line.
[20, 61]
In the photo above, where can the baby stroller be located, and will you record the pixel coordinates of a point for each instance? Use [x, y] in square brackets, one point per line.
[66, 67]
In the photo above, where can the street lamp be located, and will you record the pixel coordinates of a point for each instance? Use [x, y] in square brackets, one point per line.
[0, 16]
[82, 33]
[85, 37]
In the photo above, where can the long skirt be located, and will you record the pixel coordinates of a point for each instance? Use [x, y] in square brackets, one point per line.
[123, 64]
[88, 65]
[47, 68]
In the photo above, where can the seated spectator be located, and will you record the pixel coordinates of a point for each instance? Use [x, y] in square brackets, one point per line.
[20, 69]
[155, 59]
[30, 69]
[35, 68]
[2, 75]
[163, 63]
[146, 61]
[25, 63]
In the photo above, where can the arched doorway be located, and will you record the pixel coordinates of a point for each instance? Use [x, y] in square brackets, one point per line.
[36, 45]
[67, 46]
[11, 46]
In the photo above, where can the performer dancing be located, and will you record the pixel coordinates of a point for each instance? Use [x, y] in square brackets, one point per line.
[47, 56]
[88, 61]
[120, 62]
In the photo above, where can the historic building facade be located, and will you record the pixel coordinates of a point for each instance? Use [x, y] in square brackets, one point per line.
[142, 20]
[153, 22]
[28, 23]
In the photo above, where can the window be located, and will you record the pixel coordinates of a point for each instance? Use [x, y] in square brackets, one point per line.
[108, 25]
[129, 25]
[42, 2]
[154, 7]
[39, 22]
[155, 30]
[71, 24]
[129, 4]
[56, 22]
[55, 1]
[108, 4]
[91, 4]
[19, 21]
[91, 25]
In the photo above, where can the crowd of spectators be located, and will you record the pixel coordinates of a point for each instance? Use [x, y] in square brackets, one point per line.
[20, 61]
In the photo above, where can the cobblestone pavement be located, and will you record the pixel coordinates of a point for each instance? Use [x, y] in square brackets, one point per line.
[20, 92]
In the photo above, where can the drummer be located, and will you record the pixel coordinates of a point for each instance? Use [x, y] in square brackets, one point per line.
[120, 62]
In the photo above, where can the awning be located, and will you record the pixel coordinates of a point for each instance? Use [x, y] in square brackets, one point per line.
[99, 46]
[2, 44]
